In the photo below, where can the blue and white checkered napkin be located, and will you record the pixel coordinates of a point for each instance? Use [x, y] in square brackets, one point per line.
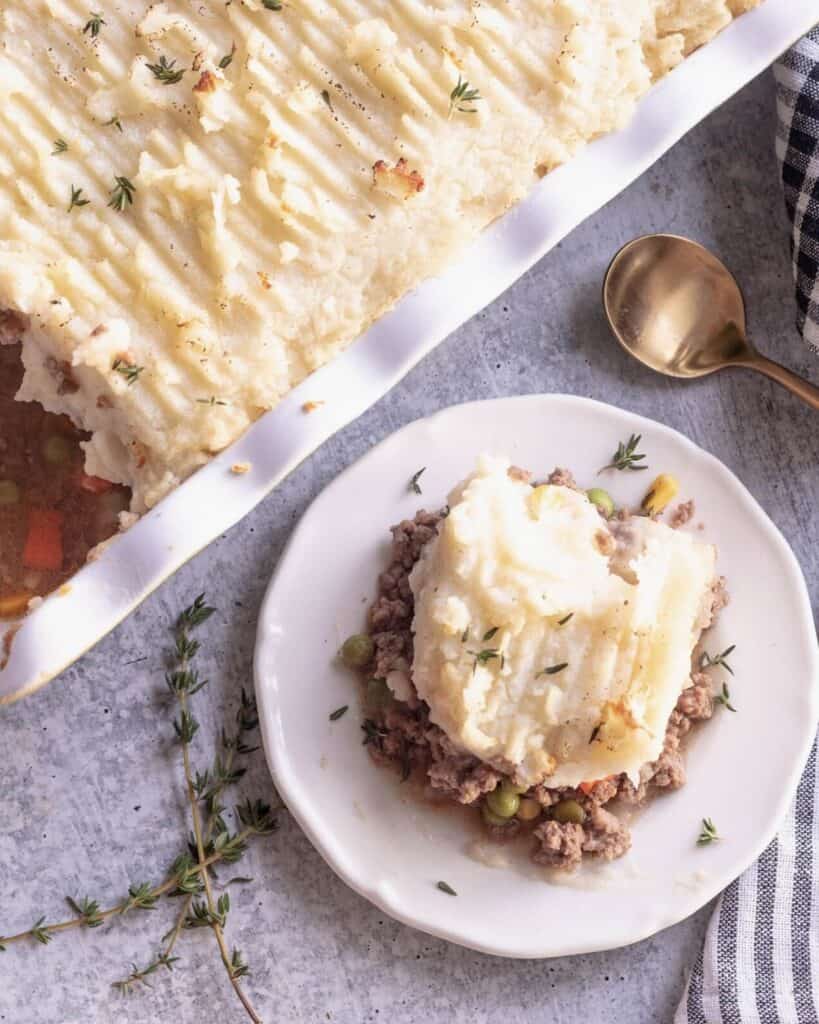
[797, 146]
[760, 962]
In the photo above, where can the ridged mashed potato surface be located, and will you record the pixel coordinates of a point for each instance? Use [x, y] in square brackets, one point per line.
[544, 643]
[200, 203]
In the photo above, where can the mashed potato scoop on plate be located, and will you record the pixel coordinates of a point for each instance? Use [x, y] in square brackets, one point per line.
[548, 641]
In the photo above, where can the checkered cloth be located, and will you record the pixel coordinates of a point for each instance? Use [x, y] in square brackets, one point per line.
[797, 146]
[760, 961]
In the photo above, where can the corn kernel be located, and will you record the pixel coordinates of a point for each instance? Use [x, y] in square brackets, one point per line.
[529, 809]
[662, 491]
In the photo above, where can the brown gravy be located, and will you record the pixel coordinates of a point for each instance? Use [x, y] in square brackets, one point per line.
[51, 512]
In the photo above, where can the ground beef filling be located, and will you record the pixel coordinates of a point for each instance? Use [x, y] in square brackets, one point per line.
[400, 734]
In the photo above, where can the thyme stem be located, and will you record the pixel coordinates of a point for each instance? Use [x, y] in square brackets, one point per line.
[188, 900]
[185, 649]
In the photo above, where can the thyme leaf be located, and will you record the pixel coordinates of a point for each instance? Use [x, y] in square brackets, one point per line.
[130, 371]
[140, 897]
[490, 633]
[88, 910]
[415, 487]
[626, 456]
[113, 121]
[60, 146]
[708, 833]
[271, 5]
[462, 97]
[446, 887]
[227, 60]
[166, 71]
[486, 655]
[724, 698]
[40, 932]
[718, 660]
[565, 619]
[552, 670]
[77, 199]
[122, 194]
[334, 717]
[372, 734]
[93, 25]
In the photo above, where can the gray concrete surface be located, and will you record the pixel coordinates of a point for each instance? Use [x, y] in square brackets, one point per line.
[90, 798]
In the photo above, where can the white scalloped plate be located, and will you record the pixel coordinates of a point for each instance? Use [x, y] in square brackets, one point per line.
[102, 594]
[391, 846]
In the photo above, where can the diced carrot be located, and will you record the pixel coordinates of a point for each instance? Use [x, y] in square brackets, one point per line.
[14, 604]
[95, 484]
[586, 787]
[44, 542]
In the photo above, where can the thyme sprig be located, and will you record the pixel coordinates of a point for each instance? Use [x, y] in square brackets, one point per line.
[130, 371]
[93, 25]
[77, 199]
[212, 841]
[626, 456]
[718, 660]
[183, 684]
[485, 656]
[122, 194]
[462, 97]
[166, 888]
[166, 71]
[708, 833]
[415, 486]
[724, 698]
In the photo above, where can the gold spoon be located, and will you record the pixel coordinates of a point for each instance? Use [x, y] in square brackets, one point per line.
[678, 309]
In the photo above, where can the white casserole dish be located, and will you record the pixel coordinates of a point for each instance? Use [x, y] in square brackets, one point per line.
[103, 593]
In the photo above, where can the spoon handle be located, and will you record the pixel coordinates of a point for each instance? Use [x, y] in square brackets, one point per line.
[795, 384]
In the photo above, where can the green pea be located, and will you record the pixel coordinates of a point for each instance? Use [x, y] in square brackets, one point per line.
[377, 694]
[490, 817]
[504, 801]
[602, 499]
[569, 811]
[9, 492]
[57, 450]
[357, 650]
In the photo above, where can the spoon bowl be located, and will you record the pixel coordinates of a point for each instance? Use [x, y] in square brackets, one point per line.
[677, 309]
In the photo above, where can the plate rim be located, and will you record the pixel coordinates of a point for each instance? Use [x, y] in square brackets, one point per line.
[339, 862]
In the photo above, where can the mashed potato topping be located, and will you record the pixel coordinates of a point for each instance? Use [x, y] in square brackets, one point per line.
[200, 203]
[548, 643]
